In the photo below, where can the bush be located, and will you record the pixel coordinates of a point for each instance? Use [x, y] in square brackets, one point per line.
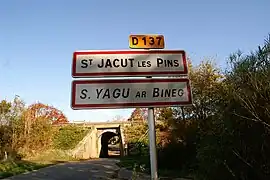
[234, 143]
[138, 149]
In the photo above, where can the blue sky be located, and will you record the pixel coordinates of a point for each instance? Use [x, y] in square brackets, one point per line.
[37, 39]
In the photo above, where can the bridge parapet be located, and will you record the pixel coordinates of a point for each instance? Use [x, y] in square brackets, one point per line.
[89, 124]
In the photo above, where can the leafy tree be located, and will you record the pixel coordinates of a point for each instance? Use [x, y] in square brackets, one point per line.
[206, 80]
[225, 133]
[38, 121]
[5, 109]
[39, 110]
[141, 114]
[29, 130]
[17, 110]
[10, 124]
[236, 138]
[248, 99]
[137, 115]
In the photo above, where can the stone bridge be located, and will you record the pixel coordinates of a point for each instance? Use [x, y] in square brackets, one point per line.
[95, 143]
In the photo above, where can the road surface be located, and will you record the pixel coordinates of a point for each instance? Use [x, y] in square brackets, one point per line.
[84, 170]
[98, 169]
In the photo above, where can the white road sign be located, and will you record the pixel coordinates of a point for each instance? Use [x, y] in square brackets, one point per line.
[129, 63]
[128, 93]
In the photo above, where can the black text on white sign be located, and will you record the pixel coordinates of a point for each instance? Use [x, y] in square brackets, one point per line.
[128, 93]
[129, 63]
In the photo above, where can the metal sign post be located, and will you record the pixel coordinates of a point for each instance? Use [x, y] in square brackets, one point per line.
[151, 119]
[152, 143]
[150, 113]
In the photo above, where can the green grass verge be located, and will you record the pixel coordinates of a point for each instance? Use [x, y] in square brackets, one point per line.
[50, 157]
[11, 168]
[131, 162]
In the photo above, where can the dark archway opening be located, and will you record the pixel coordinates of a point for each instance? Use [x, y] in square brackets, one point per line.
[106, 139]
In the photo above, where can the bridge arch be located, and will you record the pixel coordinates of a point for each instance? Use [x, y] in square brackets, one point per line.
[103, 141]
[101, 132]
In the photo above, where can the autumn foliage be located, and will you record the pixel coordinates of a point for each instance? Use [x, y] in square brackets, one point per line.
[27, 130]
[225, 134]
[140, 114]
[137, 115]
[42, 111]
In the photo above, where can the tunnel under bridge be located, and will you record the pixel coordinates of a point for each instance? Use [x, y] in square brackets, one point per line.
[103, 138]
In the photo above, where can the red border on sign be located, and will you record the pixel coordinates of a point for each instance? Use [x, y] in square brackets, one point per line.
[77, 75]
[125, 105]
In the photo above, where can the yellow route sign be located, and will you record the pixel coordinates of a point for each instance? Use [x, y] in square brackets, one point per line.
[146, 42]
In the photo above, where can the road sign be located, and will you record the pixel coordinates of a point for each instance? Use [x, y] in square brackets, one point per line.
[129, 93]
[129, 63]
[146, 42]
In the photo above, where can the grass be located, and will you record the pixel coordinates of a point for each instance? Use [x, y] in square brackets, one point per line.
[129, 162]
[10, 168]
[13, 167]
[142, 164]
[52, 156]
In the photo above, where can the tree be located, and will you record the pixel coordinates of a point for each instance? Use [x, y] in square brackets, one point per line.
[39, 110]
[248, 105]
[10, 115]
[137, 115]
[17, 110]
[141, 114]
[5, 109]
[206, 81]
[5, 134]
[38, 121]
[236, 138]
[183, 124]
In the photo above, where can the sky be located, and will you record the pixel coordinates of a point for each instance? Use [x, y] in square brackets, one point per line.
[38, 38]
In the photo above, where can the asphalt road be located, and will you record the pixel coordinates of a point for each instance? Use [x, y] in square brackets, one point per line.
[84, 170]
[97, 169]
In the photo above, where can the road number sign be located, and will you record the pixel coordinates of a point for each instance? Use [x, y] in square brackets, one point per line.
[146, 42]
[129, 93]
[129, 63]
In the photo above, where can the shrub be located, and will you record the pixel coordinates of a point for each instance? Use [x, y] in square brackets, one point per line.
[69, 136]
